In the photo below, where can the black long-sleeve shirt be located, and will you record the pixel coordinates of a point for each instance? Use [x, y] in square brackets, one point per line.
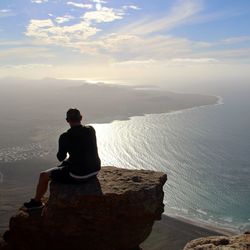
[80, 143]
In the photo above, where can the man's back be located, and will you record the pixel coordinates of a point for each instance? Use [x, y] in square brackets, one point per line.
[80, 143]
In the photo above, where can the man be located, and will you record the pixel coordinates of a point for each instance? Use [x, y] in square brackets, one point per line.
[79, 142]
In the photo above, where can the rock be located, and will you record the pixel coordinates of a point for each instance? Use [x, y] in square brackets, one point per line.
[237, 242]
[115, 211]
[3, 244]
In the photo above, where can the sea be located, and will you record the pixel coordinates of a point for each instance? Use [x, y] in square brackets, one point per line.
[205, 151]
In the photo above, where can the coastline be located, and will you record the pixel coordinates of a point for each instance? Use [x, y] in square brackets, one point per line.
[219, 102]
[217, 228]
[110, 119]
[174, 233]
[100, 102]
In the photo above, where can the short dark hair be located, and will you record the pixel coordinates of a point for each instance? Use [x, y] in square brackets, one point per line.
[73, 115]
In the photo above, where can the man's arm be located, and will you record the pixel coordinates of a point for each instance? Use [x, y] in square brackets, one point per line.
[93, 135]
[62, 150]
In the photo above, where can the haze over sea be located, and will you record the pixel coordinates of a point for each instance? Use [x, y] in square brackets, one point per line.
[205, 151]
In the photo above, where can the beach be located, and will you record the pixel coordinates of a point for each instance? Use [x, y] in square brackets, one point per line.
[173, 234]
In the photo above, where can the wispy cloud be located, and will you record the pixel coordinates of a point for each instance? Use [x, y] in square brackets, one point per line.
[80, 5]
[17, 53]
[134, 47]
[39, 1]
[235, 40]
[133, 7]
[133, 63]
[223, 42]
[236, 54]
[27, 66]
[99, 1]
[194, 60]
[64, 19]
[6, 13]
[178, 15]
[174, 62]
[103, 14]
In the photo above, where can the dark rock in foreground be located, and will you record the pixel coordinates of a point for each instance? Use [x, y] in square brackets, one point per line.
[114, 212]
[239, 242]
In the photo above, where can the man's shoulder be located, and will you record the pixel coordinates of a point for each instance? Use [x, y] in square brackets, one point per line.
[63, 135]
[89, 129]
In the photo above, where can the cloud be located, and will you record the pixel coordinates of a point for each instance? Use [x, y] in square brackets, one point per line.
[133, 7]
[178, 15]
[39, 1]
[235, 40]
[68, 35]
[133, 63]
[11, 43]
[80, 5]
[27, 66]
[235, 54]
[103, 14]
[99, 1]
[6, 13]
[166, 62]
[23, 54]
[134, 47]
[223, 42]
[193, 60]
[64, 19]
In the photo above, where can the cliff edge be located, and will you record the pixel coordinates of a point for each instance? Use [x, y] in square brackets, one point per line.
[115, 211]
[237, 242]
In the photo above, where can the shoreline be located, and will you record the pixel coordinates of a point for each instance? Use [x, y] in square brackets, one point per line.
[208, 226]
[111, 119]
[174, 233]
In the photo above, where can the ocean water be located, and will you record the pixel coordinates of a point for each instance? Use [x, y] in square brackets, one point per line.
[205, 152]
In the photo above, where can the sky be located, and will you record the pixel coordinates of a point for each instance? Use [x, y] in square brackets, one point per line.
[128, 40]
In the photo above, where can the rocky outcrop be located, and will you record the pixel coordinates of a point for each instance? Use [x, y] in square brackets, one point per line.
[3, 245]
[237, 242]
[115, 211]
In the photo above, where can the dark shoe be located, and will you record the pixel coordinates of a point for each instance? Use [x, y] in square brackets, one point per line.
[33, 204]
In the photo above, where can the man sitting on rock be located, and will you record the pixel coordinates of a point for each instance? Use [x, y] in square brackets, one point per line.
[79, 142]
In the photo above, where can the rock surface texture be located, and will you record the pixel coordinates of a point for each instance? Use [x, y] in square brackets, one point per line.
[115, 211]
[237, 242]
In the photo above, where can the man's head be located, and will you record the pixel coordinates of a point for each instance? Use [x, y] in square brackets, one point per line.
[73, 116]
